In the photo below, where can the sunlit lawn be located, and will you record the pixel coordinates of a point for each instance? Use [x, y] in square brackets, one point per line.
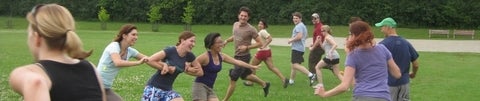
[442, 76]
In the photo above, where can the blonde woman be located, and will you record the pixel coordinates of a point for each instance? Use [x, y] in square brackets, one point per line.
[331, 59]
[60, 72]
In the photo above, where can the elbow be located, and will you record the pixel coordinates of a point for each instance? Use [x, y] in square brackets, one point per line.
[398, 76]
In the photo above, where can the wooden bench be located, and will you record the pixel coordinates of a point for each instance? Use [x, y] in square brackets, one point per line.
[438, 32]
[464, 32]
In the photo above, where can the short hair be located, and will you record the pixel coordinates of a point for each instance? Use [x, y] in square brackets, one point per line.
[244, 9]
[264, 23]
[297, 14]
[210, 39]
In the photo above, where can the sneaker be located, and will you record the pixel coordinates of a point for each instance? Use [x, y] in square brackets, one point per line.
[285, 83]
[266, 88]
[312, 79]
[246, 84]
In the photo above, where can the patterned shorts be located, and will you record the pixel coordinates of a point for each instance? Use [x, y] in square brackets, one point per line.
[151, 93]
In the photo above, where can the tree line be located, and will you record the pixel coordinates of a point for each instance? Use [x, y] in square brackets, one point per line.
[408, 13]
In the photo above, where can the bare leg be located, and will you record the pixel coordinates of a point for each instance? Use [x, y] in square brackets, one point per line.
[300, 68]
[254, 78]
[336, 71]
[230, 90]
[318, 68]
[274, 69]
[254, 62]
[293, 72]
[177, 99]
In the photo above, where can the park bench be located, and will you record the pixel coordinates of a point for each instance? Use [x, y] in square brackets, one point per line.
[464, 32]
[438, 32]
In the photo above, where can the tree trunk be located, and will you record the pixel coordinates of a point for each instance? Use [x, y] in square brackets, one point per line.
[103, 26]
[155, 26]
[187, 27]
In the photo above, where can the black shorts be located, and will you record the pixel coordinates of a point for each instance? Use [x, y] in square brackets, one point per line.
[297, 57]
[331, 62]
[240, 72]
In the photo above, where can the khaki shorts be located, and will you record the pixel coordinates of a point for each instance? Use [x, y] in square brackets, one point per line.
[202, 92]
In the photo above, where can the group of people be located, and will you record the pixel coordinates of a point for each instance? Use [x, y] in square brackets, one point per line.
[61, 68]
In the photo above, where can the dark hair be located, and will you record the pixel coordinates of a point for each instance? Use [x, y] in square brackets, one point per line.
[184, 35]
[362, 32]
[210, 39]
[125, 29]
[264, 23]
[298, 14]
[353, 19]
[244, 9]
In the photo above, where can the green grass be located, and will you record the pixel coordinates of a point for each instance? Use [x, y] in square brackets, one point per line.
[441, 77]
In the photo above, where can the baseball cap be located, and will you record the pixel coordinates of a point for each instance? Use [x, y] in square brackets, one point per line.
[315, 15]
[387, 22]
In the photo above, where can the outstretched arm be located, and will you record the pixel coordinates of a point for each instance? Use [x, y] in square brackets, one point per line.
[342, 87]
[118, 62]
[233, 61]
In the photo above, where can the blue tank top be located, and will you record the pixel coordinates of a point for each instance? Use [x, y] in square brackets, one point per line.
[210, 71]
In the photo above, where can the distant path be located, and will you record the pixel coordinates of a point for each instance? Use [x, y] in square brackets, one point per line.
[419, 44]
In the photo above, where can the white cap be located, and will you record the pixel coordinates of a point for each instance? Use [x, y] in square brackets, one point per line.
[315, 15]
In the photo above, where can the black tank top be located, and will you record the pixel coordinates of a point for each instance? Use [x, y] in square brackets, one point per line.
[72, 82]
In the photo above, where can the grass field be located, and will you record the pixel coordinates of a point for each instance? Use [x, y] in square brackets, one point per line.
[441, 77]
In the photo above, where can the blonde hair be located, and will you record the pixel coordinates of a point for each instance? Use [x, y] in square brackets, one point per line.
[326, 28]
[56, 25]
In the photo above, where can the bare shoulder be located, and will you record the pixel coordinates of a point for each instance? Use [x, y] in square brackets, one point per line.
[28, 75]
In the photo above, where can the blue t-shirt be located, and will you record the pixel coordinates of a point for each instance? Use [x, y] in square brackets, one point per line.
[172, 58]
[299, 45]
[371, 71]
[210, 71]
[107, 69]
[403, 54]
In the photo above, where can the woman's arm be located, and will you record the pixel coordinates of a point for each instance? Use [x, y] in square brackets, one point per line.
[342, 87]
[267, 42]
[393, 68]
[28, 82]
[333, 43]
[118, 62]
[233, 61]
[155, 61]
[194, 68]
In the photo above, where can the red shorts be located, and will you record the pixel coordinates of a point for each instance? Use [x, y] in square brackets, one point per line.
[263, 54]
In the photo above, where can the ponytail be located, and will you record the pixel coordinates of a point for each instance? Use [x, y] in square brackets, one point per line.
[74, 46]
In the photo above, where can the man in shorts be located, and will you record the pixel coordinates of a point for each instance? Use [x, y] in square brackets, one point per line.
[243, 33]
[299, 35]
[403, 54]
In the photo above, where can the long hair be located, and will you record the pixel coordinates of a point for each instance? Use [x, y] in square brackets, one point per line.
[363, 34]
[125, 29]
[56, 24]
[184, 36]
